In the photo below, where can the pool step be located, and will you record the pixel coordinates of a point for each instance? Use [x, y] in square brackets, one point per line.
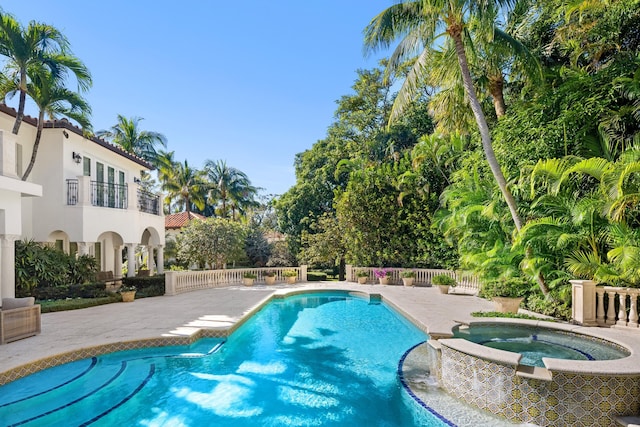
[629, 421]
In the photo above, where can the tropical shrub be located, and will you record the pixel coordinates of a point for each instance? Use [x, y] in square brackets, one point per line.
[443, 280]
[510, 288]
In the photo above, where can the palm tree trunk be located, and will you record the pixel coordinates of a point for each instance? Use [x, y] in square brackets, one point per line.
[455, 31]
[496, 88]
[36, 145]
[23, 100]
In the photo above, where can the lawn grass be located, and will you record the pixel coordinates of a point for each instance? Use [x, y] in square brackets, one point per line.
[509, 315]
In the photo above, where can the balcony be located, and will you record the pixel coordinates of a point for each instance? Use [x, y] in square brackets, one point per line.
[148, 202]
[110, 195]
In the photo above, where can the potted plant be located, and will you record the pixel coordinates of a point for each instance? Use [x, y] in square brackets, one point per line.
[127, 293]
[362, 276]
[506, 294]
[408, 276]
[383, 275]
[444, 282]
[248, 278]
[270, 277]
[290, 276]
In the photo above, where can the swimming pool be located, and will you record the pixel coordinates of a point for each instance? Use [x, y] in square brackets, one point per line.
[535, 343]
[306, 360]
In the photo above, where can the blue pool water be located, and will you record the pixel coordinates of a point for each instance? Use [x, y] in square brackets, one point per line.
[535, 343]
[310, 360]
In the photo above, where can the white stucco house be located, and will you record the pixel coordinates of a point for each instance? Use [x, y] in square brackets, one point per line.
[82, 196]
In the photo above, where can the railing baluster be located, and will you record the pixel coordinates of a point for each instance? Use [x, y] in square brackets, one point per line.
[622, 312]
[611, 306]
[633, 308]
[600, 306]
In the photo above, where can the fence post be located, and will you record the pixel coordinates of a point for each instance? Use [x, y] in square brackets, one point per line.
[303, 273]
[170, 282]
[583, 294]
[349, 275]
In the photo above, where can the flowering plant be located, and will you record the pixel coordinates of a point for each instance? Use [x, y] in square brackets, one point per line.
[408, 274]
[270, 273]
[127, 288]
[382, 273]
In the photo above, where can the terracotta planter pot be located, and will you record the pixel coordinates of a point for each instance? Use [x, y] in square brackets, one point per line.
[407, 281]
[362, 280]
[291, 280]
[507, 305]
[444, 289]
[128, 296]
[384, 280]
[247, 282]
[270, 280]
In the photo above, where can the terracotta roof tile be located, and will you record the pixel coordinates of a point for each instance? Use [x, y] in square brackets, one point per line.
[179, 220]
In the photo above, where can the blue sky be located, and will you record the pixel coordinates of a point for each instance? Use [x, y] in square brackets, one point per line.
[251, 82]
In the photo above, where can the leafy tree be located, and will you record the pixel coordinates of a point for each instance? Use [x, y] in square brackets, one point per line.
[128, 136]
[326, 245]
[214, 242]
[281, 256]
[38, 48]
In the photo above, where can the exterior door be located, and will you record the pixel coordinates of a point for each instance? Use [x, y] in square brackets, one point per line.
[111, 188]
[100, 184]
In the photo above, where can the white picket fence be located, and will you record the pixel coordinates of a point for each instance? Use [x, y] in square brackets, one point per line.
[177, 282]
[467, 282]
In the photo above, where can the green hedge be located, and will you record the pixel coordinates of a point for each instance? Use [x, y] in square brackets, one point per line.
[316, 276]
[146, 286]
[87, 290]
[74, 304]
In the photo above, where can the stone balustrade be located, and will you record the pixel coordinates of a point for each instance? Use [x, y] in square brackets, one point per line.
[177, 282]
[604, 305]
[466, 282]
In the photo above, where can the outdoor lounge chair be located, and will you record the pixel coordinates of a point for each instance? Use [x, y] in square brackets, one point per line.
[19, 318]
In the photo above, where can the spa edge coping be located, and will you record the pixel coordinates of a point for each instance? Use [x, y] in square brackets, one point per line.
[626, 366]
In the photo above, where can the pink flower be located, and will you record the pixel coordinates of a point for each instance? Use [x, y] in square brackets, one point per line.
[382, 272]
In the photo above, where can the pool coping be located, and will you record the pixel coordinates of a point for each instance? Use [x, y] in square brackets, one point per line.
[625, 366]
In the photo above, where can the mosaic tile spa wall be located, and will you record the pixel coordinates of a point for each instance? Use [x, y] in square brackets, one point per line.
[568, 399]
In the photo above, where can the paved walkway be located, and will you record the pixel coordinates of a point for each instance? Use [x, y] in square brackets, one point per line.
[220, 308]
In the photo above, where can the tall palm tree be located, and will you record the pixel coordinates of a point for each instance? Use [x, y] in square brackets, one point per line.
[186, 186]
[53, 99]
[419, 24]
[230, 186]
[128, 135]
[36, 48]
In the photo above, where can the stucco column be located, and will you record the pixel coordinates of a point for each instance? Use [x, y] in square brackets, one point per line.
[8, 265]
[84, 191]
[150, 260]
[160, 265]
[118, 262]
[131, 259]
[584, 302]
[8, 154]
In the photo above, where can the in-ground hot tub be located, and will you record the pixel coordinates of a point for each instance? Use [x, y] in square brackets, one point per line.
[577, 390]
[536, 342]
